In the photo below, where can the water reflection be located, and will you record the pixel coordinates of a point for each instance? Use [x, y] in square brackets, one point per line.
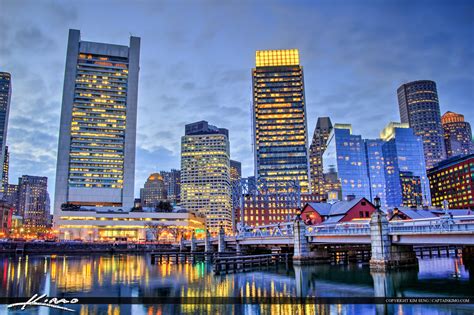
[134, 275]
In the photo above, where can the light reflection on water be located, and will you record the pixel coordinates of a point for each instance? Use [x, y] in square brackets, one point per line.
[134, 275]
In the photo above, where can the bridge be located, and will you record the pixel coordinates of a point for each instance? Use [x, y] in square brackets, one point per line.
[391, 243]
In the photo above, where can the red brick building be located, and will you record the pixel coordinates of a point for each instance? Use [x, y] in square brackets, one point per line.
[314, 213]
[452, 180]
[271, 208]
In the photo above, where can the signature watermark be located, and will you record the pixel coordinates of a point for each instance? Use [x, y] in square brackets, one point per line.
[43, 300]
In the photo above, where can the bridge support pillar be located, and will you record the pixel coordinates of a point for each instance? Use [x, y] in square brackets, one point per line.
[386, 255]
[302, 252]
[193, 243]
[182, 247]
[207, 243]
[221, 241]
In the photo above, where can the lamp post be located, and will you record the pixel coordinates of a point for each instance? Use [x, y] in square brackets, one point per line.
[377, 203]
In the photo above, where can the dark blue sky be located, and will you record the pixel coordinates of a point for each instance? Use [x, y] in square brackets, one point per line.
[196, 61]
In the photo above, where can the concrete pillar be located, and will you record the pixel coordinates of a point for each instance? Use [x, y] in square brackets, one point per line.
[207, 243]
[386, 255]
[193, 243]
[302, 252]
[221, 240]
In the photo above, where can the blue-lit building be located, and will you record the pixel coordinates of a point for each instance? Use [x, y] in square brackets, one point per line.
[5, 97]
[403, 155]
[345, 157]
[392, 167]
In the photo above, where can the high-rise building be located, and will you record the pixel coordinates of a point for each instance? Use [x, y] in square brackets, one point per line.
[6, 167]
[11, 197]
[403, 157]
[457, 134]
[376, 169]
[205, 174]
[153, 191]
[345, 157]
[419, 108]
[5, 97]
[412, 193]
[235, 171]
[172, 180]
[451, 180]
[96, 151]
[33, 200]
[279, 119]
[316, 150]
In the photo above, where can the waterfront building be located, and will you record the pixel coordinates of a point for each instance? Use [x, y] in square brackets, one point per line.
[316, 150]
[357, 209]
[457, 134]
[452, 180]
[271, 208]
[279, 119]
[404, 166]
[128, 226]
[5, 98]
[419, 108]
[153, 191]
[345, 159]
[96, 151]
[11, 197]
[205, 174]
[172, 181]
[33, 200]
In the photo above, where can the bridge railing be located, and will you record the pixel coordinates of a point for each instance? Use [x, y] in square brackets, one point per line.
[284, 229]
[348, 228]
[442, 224]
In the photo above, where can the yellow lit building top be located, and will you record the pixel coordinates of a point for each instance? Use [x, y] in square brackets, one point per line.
[272, 58]
[389, 131]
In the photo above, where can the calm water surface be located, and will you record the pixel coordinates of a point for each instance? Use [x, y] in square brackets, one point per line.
[134, 276]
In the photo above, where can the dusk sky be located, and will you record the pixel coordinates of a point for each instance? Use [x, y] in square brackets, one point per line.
[196, 60]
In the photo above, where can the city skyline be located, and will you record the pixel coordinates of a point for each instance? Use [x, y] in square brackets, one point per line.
[34, 129]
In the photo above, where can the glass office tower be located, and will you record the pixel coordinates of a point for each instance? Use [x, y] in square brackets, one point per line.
[403, 152]
[279, 119]
[96, 152]
[205, 174]
[376, 169]
[345, 157]
[316, 150]
[457, 134]
[5, 97]
[419, 108]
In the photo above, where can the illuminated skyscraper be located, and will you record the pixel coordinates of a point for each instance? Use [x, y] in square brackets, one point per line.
[6, 167]
[33, 200]
[419, 108]
[96, 151]
[279, 119]
[153, 191]
[316, 150]
[457, 134]
[205, 174]
[5, 96]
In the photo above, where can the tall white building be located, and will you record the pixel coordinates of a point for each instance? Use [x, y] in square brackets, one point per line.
[205, 174]
[96, 151]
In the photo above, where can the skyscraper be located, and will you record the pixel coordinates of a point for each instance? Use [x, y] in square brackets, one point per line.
[457, 134]
[33, 200]
[316, 150]
[5, 97]
[153, 191]
[6, 167]
[172, 180]
[205, 174]
[419, 107]
[279, 119]
[404, 164]
[345, 157]
[376, 169]
[96, 151]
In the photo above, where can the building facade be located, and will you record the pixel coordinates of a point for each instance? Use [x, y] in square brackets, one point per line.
[33, 200]
[452, 180]
[279, 119]
[419, 108]
[457, 134]
[205, 174]
[316, 150]
[345, 158]
[96, 151]
[153, 191]
[172, 181]
[403, 156]
[5, 97]
[6, 168]
[376, 169]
